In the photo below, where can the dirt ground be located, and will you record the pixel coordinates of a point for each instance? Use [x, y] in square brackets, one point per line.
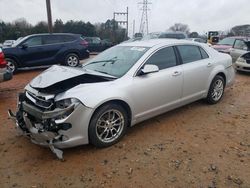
[194, 146]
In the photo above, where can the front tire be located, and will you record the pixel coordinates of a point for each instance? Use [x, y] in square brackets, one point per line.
[11, 65]
[216, 90]
[72, 60]
[108, 125]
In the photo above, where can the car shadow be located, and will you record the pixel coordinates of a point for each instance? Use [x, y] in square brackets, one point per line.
[243, 73]
[70, 153]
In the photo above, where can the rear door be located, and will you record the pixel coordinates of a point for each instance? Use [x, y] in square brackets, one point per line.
[196, 66]
[238, 49]
[52, 46]
[160, 91]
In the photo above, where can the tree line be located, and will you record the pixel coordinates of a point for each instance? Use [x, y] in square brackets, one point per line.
[240, 30]
[108, 30]
[21, 28]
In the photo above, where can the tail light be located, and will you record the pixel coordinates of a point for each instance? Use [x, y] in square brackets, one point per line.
[84, 43]
[3, 63]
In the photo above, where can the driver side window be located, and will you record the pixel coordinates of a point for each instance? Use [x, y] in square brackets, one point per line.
[163, 58]
[34, 41]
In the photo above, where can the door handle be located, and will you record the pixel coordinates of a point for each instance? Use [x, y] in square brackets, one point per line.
[176, 73]
[209, 64]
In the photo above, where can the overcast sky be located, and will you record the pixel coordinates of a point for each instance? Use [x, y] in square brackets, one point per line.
[200, 15]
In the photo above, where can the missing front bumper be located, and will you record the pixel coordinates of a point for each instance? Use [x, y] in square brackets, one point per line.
[39, 133]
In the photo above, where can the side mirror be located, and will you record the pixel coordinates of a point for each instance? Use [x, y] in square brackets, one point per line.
[245, 48]
[24, 46]
[149, 69]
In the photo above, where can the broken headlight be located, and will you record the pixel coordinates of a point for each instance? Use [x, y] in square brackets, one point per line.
[65, 103]
[68, 104]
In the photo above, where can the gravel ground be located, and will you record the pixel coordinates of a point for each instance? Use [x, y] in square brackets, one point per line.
[198, 145]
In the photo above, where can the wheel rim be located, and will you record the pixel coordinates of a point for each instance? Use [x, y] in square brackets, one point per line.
[10, 66]
[109, 126]
[218, 90]
[72, 61]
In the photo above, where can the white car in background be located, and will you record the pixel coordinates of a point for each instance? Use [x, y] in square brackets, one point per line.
[8, 43]
[243, 63]
[64, 107]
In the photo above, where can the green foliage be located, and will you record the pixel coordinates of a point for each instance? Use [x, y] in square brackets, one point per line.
[112, 31]
[21, 28]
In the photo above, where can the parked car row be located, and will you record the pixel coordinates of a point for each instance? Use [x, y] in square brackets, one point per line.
[69, 49]
[167, 35]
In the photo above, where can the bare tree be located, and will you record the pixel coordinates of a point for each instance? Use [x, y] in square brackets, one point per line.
[180, 27]
[194, 34]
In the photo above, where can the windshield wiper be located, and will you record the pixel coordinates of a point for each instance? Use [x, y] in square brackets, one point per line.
[112, 60]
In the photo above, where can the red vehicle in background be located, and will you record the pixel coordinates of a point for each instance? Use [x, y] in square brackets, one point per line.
[226, 44]
[5, 74]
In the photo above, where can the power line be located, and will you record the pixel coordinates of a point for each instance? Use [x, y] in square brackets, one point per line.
[144, 17]
[122, 21]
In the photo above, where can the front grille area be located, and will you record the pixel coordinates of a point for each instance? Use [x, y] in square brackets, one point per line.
[39, 101]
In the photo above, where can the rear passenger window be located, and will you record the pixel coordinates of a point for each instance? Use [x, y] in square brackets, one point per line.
[203, 53]
[189, 53]
[68, 38]
[51, 39]
[163, 58]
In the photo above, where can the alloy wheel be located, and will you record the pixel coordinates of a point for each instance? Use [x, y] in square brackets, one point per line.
[110, 126]
[218, 90]
[11, 66]
[72, 61]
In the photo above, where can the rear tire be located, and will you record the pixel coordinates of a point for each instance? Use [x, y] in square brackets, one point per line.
[72, 60]
[11, 65]
[108, 125]
[216, 90]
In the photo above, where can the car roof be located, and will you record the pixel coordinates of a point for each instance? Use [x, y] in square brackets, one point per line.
[153, 42]
[43, 34]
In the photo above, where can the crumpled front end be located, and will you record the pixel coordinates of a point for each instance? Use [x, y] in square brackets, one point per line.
[56, 124]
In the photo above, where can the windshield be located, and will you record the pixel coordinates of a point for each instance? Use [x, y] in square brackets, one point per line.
[116, 61]
[227, 41]
[17, 42]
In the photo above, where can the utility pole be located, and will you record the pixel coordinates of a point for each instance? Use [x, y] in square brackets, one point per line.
[144, 17]
[50, 26]
[122, 21]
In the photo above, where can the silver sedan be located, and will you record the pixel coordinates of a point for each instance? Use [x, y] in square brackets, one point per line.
[126, 84]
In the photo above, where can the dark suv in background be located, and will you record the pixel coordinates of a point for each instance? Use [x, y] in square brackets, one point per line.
[95, 44]
[46, 49]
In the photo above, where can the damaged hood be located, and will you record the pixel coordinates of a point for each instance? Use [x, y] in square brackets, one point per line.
[60, 78]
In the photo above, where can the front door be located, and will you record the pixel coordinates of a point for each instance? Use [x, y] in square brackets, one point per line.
[31, 51]
[158, 92]
[238, 49]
